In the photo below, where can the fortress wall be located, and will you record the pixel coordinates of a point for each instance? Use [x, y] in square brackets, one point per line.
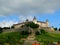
[18, 26]
[16, 29]
[48, 29]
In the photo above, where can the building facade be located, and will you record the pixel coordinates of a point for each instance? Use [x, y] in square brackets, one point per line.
[42, 25]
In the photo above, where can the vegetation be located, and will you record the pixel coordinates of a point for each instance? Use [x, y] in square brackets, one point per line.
[15, 37]
[0, 30]
[12, 27]
[12, 38]
[37, 33]
[32, 25]
[59, 29]
[24, 32]
[47, 37]
[55, 29]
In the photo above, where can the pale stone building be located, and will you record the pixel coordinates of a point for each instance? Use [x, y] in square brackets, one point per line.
[40, 23]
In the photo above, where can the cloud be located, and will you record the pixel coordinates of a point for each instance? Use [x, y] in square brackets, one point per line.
[7, 23]
[26, 7]
[23, 18]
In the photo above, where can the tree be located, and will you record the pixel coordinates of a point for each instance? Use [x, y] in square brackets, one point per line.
[55, 29]
[6, 28]
[1, 30]
[24, 32]
[43, 31]
[37, 33]
[32, 25]
[12, 26]
[59, 29]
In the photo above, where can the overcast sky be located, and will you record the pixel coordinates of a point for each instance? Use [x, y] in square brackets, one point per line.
[14, 11]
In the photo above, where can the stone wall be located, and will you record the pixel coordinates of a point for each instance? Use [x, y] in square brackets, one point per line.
[16, 29]
[48, 29]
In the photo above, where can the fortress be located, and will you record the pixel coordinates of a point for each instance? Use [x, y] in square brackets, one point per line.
[42, 25]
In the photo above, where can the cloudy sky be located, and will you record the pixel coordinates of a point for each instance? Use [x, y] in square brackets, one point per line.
[14, 11]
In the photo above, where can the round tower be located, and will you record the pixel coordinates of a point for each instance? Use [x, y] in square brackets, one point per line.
[27, 20]
[47, 23]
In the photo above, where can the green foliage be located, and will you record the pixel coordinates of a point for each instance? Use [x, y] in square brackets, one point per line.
[12, 26]
[11, 38]
[1, 30]
[48, 37]
[55, 29]
[32, 25]
[37, 33]
[21, 42]
[15, 37]
[59, 29]
[24, 33]
[43, 31]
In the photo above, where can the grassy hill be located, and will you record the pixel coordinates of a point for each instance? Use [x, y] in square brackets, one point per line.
[15, 37]
[12, 37]
[48, 37]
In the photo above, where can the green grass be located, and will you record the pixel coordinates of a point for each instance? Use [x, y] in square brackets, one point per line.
[12, 38]
[48, 37]
[15, 37]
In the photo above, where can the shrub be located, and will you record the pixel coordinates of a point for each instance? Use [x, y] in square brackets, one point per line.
[59, 29]
[12, 26]
[1, 30]
[32, 25]
[24, 32]
[43, 31]
[55, 29]
[37, 33]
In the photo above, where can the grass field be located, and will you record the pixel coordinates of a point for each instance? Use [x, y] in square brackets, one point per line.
[12, 38]
[15, 37]
[48, 37]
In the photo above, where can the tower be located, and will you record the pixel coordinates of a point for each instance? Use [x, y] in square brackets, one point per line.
[27, 20]
[34, 20]
[47, 23]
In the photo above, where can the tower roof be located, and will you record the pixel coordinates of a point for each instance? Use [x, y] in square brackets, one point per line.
[27, 20]
[34, 18]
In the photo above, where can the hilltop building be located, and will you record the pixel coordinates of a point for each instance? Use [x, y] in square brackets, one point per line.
[42, 25]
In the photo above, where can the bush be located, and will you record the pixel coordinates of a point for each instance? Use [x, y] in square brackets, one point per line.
[21, 42]
[55, 29]
[43, 31]
[59, 29]
[12, 26]
[1, 30]
[11, 38]
[32, 25]
[37, 33]
[24, 32]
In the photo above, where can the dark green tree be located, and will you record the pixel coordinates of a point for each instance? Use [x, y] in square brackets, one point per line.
[55, 29]
[37, 33]
[1, 30]
[43, 31]
[24, 32]
[59, 29]
[32, 25]
[12, 26]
